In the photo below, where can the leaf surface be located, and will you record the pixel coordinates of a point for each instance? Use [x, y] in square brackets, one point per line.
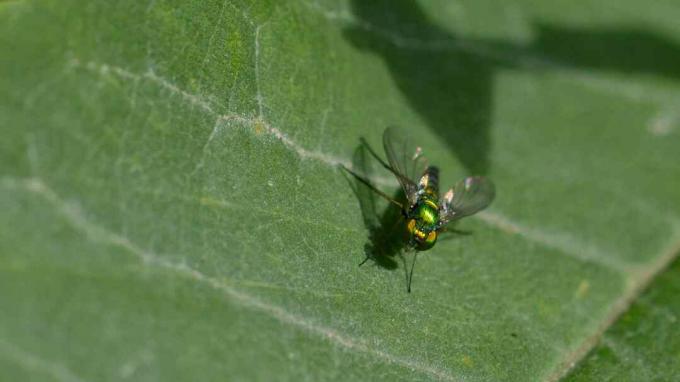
[173, 207]
[643, 344]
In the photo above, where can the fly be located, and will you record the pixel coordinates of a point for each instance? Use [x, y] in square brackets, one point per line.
[426, 211]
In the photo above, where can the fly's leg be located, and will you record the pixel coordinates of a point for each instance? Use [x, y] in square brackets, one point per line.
[372, 187]
[377, 157]
[454, 231]
[409, 273]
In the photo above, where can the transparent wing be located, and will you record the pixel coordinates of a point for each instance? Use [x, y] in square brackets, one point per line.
[405, 159]
[466, 198]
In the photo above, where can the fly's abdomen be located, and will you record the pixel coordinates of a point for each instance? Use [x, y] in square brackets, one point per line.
[429, 183]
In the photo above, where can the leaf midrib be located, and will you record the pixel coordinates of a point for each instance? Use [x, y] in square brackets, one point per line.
[637, 278]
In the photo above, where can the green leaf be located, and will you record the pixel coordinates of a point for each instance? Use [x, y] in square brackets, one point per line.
[173, 209]
[644, 344]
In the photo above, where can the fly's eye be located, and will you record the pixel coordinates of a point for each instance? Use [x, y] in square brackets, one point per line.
[431, 238]
[411, 225]
[427, 241]
[415, 231]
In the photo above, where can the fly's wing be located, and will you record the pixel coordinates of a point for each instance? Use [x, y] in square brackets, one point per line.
[466, 198]
[405, 159]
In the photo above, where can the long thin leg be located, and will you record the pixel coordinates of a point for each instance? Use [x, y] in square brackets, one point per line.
[372, 187]
[403, 260]
[454, 230]
[382, 162]
[365, 260]
[451, 233]
[413, 265]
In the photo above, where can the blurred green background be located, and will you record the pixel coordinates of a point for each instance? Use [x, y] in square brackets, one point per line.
[173, 208]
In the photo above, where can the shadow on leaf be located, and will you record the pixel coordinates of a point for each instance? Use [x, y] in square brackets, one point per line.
[386, 229]
[449, 79]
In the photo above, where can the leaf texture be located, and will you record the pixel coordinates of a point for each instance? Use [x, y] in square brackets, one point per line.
[173, 209]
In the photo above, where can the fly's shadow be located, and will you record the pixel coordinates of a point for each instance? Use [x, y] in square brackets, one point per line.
[387, 229]
[385, 223]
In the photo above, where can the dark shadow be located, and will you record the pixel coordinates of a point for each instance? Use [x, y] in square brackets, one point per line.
[387, 229]
[449, 79]
[385, 225]
[628, 51]
[451, 90]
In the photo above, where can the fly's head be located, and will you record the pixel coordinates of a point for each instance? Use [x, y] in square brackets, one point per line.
[422, 223]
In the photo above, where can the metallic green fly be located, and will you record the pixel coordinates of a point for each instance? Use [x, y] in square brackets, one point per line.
[427, 213]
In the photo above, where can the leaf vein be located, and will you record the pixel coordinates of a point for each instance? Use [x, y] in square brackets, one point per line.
[32, 362]
[102, 235]
[564, 242]
[640, 279]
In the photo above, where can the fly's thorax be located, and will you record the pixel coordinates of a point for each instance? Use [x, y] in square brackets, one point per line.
[422, 223]
[426, 214]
